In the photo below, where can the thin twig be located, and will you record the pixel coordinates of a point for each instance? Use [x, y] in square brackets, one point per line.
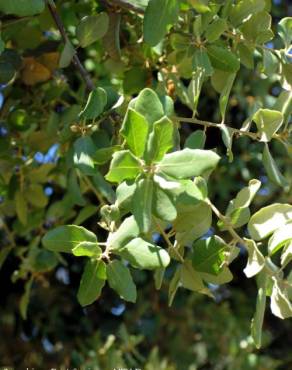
[75, 60]
[252, 135]
[91, 187]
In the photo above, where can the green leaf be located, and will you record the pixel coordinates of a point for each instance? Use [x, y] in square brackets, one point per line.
[103, 155]
[202, 61]
[195, 86]
[280, 237]
[223, 59]
[209, 255]
[87, 249]
[280, 304]
[95, 104]
[246, 55]
[237, 210]
[270, 62]
[227, 137]
[149, 105]
[258, 319]
[135, 132]
[158, 277]
[4, 252]
[188, 162]
[91, 283]
[191, 279]
[196, 140]
[215, 29]
[67, 55]
[256, 260]
[272, 169]
[92, 28]
[144, 255]
[124, 193]
[257, 29]
[286, 255]
[161, 140]
[159, 16]
[65, 238]
[244, 8]
[120, 280]
[268, 219]
[174, 285]
[24, 300]
[21, 207]
[127, 231]
[163, 205]
[84, 151]
[268, 122]
[193, 221]
[224, 96]
[123, 166]
[22, 8]
[142, 204]
[285, 31]
[224, 276]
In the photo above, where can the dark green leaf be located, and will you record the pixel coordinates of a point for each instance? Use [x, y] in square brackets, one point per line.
[65, 238]
[91, 283]
[120, 280]
[209, 255]
[92, 28]
[22, 8]
[223, 59]
[144, 255]
[95, 104]
[159, 16]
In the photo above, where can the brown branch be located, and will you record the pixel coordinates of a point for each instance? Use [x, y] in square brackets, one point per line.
[75, 60]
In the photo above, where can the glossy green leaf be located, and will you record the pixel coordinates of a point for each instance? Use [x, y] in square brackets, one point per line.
[65, 238]
[95, 104]
[280, 304]
[257, 29]
[21, 207]
[149, 105]
[87, 249]
[285, 31]
[224, 96]
[161, 140]
[202, 61]
[144, 255]
[173, 286]
[245, 8]
[208, 255]
[227, 138]
[268, 122]
[142, 204]
[84, 151]
[67, 55]
[272, 169]
[268, 219]
[237, 210]
[92, 28]
[91, 283]
[135, 132]
[280, 237]
[195, 87]
[188, 163]
[196, 140]
[223, 59]
[128, 230]
[123, 166]
[124, 193]
[258, 319]
[120, 280]
[22, 8]
[256, 260]
[215, 29]
[191, 279]
[159, 16]
[163, 205]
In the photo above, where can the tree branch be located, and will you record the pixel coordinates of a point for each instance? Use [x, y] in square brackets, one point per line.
[75, 60]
